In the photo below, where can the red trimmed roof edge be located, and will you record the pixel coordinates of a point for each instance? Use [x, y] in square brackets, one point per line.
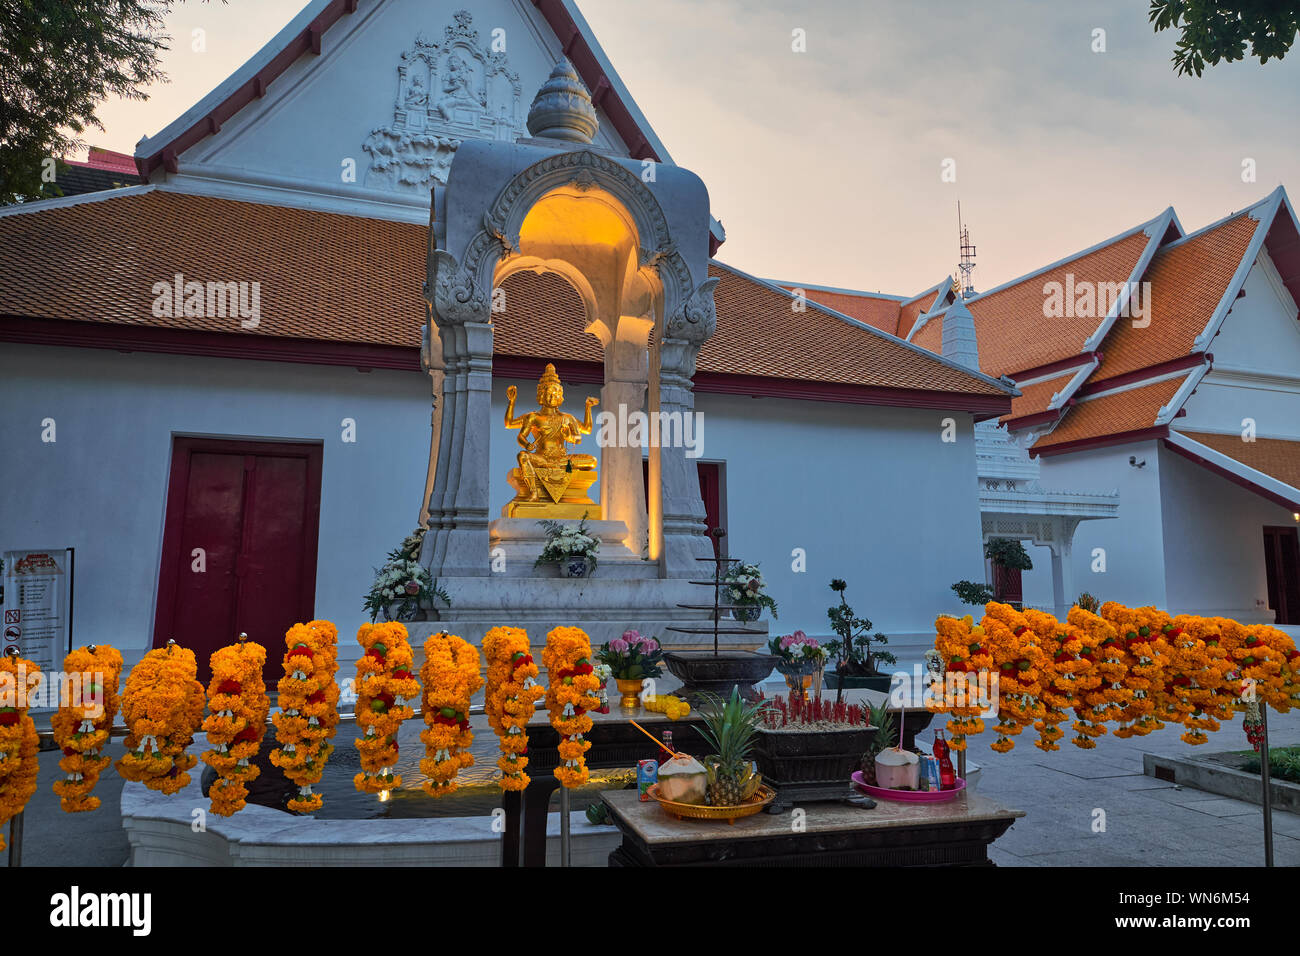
[126, 338]
[1183, 362]
[1290, 504]
[1101, 441]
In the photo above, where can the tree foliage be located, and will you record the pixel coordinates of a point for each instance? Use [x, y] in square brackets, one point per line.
[1212, 31]
[59, 59]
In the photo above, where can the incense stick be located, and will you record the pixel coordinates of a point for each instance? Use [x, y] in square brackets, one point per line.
[654, 738]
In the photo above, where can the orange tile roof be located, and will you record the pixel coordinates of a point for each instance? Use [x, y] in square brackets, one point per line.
[325, 276]
[1036, 397]
[1275, 457]
[1010, 329]
[759, 334]
[1188, 280]
[1129, 410]
[909, 312]
[879, 312]
[321, 275]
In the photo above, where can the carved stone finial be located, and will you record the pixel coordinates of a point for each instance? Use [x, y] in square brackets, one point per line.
[562, 108]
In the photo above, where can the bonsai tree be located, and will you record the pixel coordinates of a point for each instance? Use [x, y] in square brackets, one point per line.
[968, 592]
[852, 649]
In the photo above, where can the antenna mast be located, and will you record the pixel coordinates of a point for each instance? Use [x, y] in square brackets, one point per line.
[965, 287]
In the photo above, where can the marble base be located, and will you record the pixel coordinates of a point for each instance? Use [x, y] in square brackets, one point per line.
[516, 543]
[160, 832]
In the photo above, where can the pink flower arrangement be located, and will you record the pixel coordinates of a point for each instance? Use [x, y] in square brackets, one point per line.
[632, 656]
[799, 651]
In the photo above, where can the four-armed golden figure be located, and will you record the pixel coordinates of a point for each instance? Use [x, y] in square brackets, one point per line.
[550, 482]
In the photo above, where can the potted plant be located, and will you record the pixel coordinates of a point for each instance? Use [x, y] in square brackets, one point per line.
[745, 587]
[799, 657]
[1009, 559]
[631, 658]
[808, 749]
[403, 589]
[572, 549]
[855, 661]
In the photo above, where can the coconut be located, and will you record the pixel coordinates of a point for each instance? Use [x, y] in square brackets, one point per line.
[898, 769]
[683, 779]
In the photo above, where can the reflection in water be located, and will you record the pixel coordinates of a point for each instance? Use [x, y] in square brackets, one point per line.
[477, 795]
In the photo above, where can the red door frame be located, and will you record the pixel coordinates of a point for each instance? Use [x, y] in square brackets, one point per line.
[174, 519]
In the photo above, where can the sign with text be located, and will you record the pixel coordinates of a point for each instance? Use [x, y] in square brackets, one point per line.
[37, 586]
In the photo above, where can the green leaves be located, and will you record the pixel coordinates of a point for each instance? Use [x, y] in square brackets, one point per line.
[1211, 31]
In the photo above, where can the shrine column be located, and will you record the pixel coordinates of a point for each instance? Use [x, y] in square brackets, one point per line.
[622, 485]
[1062, 583]
[679, 525]
[457, 542]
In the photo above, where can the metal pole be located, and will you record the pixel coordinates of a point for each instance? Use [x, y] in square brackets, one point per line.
[16, 839]
[961, 763]
[1267, 793]
[564, 826]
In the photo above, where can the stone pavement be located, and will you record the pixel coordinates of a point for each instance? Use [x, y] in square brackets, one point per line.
[1149, 822]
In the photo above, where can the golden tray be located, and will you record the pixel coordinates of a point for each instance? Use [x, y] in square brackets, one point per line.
[750, 807]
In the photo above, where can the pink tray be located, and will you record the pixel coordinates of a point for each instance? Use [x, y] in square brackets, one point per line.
[908, 796]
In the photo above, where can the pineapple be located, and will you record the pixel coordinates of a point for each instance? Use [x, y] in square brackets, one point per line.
[886, 736]
[730, 729]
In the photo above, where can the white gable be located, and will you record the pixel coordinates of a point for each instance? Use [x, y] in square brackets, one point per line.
[371, 123]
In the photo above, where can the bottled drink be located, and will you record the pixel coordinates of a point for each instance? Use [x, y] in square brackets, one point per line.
[947, 777]
[667, 738]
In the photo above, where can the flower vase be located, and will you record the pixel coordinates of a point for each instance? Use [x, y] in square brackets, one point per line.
[574, 566]
[631, 691]
[798, 684]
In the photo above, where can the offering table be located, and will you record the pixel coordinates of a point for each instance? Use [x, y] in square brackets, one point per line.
[956, 833]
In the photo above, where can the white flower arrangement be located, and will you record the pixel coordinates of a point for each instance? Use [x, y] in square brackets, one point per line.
[403, 581]
[566, 541]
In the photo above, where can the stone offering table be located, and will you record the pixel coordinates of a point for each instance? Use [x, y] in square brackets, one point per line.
[614, 743]
[956, 833]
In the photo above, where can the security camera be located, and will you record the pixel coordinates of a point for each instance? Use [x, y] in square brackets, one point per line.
[1133, 460]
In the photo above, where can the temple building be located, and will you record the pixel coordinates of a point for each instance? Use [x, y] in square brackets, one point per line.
[256, 362]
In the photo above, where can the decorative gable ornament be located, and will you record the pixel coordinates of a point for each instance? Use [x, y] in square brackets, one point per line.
[562, 108]
[447, 91]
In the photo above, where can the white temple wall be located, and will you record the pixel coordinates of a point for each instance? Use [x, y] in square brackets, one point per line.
[1214, 542]
[101, 487]
[1133, 541]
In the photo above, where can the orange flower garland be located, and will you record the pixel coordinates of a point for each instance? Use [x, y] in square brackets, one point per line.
[19, 742]
[163, 707]
[88, 704]
[1136, 668]
[570, 694]
[385, 682]
[236, 723]
[451, 675]
[309, 709]
[963, 647]
[512, 691]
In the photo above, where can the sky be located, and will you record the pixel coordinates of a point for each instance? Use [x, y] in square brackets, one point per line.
[826, 166]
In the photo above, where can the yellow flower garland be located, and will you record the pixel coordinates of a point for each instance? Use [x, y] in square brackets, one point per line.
[674, 708]
[163, 707]
[451, 675]
[82, 726]
[512, 692]
[236, 723]
[571, 692]
[19, 742]
[1137, 668]
[309, 709]
[385, 684]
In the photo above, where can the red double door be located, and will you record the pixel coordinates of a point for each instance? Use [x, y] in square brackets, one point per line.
[239, 545]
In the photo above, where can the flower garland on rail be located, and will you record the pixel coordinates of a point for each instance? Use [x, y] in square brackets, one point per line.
[512, 692]
[1135, 668]
[450, 675]
[236, 723]
[385, 683]
[87, 705]
[309, 709]
[571, 692]
[19, 742]
[163, 708]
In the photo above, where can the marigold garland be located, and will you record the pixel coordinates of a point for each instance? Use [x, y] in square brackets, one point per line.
[451, 674]
[1136, 668]
[19, 742]
[512, 692]
[236, 723]
[571, 692]
[88, 703]
[309, 709]
[163, 708]
[385, 684]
